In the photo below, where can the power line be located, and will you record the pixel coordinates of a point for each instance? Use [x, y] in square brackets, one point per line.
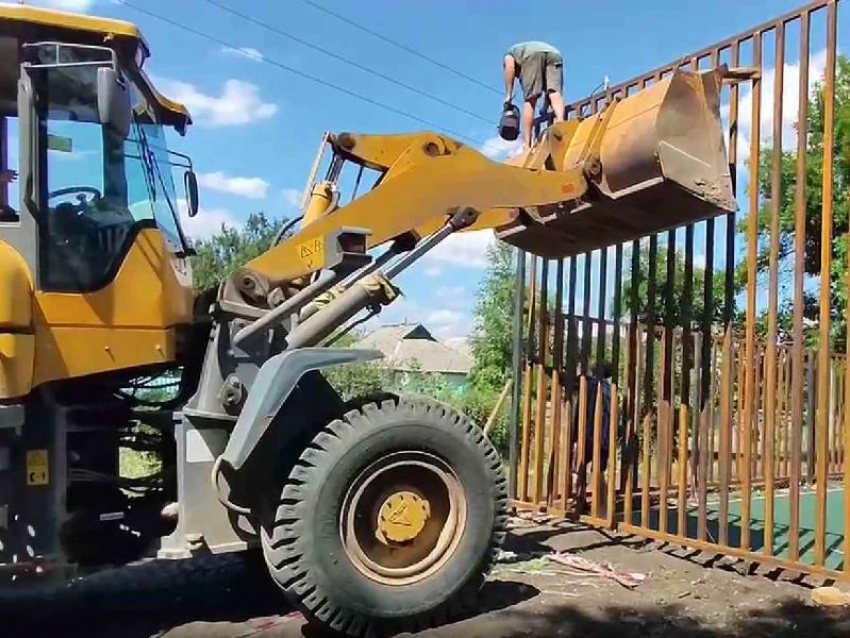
[343, 59]
[399, 45]
[306, 76]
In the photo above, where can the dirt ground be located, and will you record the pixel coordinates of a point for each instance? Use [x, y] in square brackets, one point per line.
[684, 594]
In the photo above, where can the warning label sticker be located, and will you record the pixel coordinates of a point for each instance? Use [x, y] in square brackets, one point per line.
[37, 467]
[312, 253]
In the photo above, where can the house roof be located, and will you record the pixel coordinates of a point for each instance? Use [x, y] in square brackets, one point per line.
[413, 347]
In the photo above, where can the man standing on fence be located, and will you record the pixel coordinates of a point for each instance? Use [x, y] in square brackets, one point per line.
[540, 69]
[597, 381]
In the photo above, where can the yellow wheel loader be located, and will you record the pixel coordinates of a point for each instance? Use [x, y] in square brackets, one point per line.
[373, 515]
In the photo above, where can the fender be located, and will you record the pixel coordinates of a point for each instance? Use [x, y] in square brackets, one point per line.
[272, 386]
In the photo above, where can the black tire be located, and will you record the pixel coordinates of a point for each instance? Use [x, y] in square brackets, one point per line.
[302, 540]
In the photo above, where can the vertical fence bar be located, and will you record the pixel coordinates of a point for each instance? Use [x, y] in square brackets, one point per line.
[634, 416]
[729, 283]
[570, 378]
[601, 330]
[703, 447]
[542, 382]
[526, 384]
[617, 312]
[661, 434]
[739, 425]
[581, 457]
[613, 420]
[758, 448]
[726, 391]
[518, 355]
[646, 472]
[752, 273]
[846, 426]
[586, 327]
[684, 418]
[668, 370]
[555, 466]
[651, 288]
[725, 465]
[699, 442]
[597, 451]
[787, 393]
[825, 285]
[811, 405]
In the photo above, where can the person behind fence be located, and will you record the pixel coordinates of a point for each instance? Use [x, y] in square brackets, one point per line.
[598, 380]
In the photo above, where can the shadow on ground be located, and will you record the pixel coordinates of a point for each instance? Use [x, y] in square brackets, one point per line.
[793, 619]
[147, 600]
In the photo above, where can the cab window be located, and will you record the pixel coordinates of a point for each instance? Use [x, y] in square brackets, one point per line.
[97, 190]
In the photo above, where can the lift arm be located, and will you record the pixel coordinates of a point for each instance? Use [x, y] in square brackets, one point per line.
[428, 177]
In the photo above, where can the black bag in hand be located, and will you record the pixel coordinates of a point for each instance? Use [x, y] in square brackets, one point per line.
[509, 122]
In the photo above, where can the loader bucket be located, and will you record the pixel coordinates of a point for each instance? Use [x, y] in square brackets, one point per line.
[663, 165]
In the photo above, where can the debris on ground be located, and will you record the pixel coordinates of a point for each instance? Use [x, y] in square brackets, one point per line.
[506, 556]
[585, 567]
[830, 597]
[523, 519]
[528, 565]
[266, 624]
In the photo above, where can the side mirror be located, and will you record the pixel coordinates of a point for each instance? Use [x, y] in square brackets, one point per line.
[113, 102]
[190, 182]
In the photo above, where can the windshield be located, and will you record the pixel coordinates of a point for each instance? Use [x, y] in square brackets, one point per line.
[97, 189]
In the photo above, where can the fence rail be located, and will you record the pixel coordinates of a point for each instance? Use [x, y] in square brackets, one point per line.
[725, 421]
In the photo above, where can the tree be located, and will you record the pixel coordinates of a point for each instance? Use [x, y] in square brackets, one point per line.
[493, 336]
[231, 248]
[813, 209]
[657, 304]
[492, 343]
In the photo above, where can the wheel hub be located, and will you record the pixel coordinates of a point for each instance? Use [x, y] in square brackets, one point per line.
[402, 517]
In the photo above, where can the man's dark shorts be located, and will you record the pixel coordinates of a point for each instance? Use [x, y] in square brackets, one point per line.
[541, 71]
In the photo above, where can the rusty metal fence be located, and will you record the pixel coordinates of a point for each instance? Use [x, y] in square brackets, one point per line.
[724, 421]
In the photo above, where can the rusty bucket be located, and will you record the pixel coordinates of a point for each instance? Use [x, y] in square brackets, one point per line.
[661, 164]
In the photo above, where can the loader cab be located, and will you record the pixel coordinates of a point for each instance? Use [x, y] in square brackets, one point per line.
[89, 211]
[92, 166]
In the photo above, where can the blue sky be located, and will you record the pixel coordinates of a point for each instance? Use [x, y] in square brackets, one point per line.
[258, 127]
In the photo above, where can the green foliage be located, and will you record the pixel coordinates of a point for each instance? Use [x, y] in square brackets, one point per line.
[492, 339]
[662, 288]
[231, 248]
[813, 211]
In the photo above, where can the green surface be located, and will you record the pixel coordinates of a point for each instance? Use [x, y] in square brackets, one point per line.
[781, 516]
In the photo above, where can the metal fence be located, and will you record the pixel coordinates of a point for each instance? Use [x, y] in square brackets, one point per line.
[727, 414]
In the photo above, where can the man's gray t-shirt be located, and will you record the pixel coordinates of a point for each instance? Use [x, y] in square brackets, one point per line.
[523, 50]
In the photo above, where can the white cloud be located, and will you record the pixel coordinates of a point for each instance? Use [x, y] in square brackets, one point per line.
[206, 223]
[444, 317]
[463, 249]
[451, 292]
[65, 5]
[251, 187]
[496, 148]
[238, 104]
[244, 52]
[452, 331]
[292, 196]
[433, 271]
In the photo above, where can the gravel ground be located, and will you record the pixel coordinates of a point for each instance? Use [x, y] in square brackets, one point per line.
[230, 597]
